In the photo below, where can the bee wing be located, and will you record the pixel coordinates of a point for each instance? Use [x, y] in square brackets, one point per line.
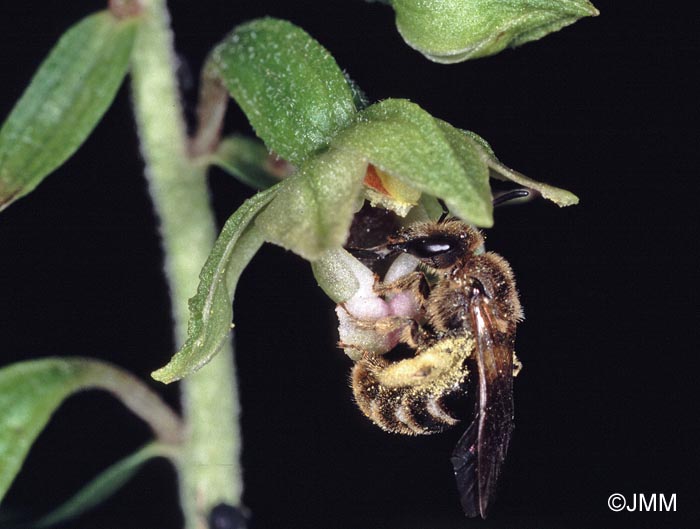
[481, 451]
[464, 461]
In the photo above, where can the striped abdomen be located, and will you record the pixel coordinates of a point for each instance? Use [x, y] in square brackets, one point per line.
[411, 396]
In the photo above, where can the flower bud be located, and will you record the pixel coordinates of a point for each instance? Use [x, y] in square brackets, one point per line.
[450, 31]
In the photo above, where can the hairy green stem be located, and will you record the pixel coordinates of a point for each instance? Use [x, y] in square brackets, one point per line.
[209, 470]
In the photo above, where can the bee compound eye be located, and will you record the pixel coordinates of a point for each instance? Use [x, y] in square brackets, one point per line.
[429, 247]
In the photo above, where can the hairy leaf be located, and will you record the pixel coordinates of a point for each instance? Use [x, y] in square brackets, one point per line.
[65, 100]
[211, 311]
[29, 394]
[290, 88]
[31, 391]
[102, 486]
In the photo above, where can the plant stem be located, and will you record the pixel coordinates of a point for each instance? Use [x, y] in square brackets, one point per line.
[137, 397]
[209, 470]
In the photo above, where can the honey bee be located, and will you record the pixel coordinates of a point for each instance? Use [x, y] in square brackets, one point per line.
[459, 339]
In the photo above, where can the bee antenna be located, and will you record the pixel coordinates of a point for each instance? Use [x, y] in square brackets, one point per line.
[376, 253]
[515, 196]
[445, 211]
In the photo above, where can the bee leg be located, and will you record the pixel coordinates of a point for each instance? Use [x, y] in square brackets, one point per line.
[411, 281]
[415, 335]
[415, 283]
[382, 325]
[353, 347]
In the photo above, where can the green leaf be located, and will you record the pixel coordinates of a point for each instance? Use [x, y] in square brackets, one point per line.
[450, 31]
[29, 394]
[247, 160]
[211, 310]
[68, 95]
[31, 391]
[102, 486]
[314, 207]
[288, 85]
[405, 141]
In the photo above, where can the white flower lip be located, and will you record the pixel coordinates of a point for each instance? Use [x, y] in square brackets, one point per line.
[365, 320]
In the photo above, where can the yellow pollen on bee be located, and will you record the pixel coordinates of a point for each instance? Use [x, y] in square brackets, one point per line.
[438, 366]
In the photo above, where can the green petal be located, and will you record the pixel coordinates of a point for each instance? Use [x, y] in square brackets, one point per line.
[288, 85]
[314, 207]
[450, 31]
[405, 141]
[211, 311]
[65, 100]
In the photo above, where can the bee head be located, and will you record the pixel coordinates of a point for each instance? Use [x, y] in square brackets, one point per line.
[437, 245]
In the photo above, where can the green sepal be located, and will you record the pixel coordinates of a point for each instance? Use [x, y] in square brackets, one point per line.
[561, 197]
[102, 486]
[247, 160]
[65, 100]
[211, 310]
[290, 88]
[402, 139]
[314, 207]
[449, 31]
[499, 171]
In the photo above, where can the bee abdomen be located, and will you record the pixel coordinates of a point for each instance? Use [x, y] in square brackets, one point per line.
[399, 410]
[412, 396]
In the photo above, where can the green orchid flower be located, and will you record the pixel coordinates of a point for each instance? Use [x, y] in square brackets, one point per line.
[391, 153]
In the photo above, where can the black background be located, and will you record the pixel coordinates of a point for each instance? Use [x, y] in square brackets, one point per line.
[606, 401]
